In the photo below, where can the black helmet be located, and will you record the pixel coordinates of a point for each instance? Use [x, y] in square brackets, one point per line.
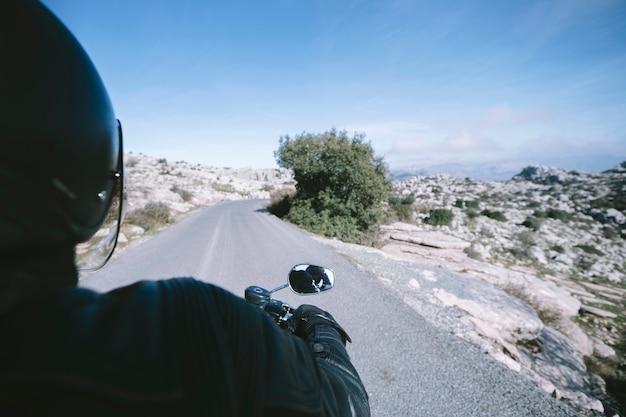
[60, 143]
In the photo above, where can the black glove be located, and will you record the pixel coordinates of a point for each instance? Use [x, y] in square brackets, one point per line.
[306, 317]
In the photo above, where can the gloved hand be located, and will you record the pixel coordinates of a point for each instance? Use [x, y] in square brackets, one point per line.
[306, 317]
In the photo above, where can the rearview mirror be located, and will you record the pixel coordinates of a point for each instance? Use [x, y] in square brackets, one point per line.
[311, 279]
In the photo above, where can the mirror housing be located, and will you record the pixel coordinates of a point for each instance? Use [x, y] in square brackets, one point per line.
[310, 279]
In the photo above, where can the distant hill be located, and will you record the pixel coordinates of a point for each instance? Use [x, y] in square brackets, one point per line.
[484, 172]
[488, 171]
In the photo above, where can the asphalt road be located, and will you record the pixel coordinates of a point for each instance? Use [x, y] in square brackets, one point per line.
[409, 367]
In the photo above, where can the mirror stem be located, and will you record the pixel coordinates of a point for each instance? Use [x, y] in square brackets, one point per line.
[279, 288]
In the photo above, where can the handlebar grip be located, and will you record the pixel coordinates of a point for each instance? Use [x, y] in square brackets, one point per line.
[280, 312]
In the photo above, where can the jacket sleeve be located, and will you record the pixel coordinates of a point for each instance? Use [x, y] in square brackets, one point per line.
[337, 374]
[234, 354]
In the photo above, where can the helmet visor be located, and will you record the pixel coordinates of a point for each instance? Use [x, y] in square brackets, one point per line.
[94, 253]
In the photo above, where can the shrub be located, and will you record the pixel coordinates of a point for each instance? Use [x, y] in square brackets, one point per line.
[558, 248]
[267, 187]
[496, 215]
[150, 216]
[402, 207]
[439, 217]
[615, 199]
[184, 194]
[590, 249]
[472, 253]
[470, 204]
[532, 223]
[609, 232]
[280, 202]
[224, 188]
[526, 239]
[559, 215]
[324, 223]
[534, 204]
[340, 184]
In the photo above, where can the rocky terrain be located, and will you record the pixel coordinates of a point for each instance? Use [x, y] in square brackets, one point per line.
[184, 186]
[549, 237]
[541, 261]
[171, 190]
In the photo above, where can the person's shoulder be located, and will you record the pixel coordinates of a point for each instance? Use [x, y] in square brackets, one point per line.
[82, 347]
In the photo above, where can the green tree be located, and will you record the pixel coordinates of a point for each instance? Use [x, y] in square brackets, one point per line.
[340, 183]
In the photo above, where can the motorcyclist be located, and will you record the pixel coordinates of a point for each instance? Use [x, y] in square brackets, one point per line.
[320, 277]
[170, 347]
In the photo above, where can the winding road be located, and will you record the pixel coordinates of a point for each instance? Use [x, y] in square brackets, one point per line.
[409, 367]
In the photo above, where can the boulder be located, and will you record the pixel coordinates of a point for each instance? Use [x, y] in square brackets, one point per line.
[431, 239]
[408, 233]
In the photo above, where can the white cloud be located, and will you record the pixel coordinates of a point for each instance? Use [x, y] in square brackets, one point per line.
[555, 146]
[504, 115]
[462, 142]
[544, 146]
[497, 118]
[572, 154]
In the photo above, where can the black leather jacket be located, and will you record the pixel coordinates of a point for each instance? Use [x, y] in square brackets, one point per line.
[173, 347]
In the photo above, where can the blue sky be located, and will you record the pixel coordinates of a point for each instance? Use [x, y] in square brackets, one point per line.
[474, 82]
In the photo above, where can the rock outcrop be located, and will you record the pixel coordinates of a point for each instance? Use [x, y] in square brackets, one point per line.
[183, 187]
[557, 243]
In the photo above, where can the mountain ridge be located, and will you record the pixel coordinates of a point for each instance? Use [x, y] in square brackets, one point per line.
[488, 171]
